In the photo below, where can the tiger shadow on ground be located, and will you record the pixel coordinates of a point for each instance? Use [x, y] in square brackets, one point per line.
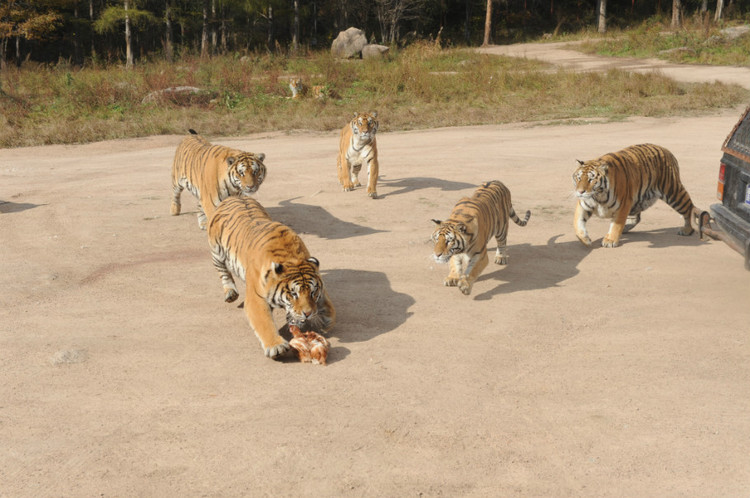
[16, 207]
[405, 185]
[549, 264]
[659, 238]
[314, 220]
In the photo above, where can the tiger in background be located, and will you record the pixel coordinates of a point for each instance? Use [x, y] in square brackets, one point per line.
[276, 267]
[620, 185]
[358, 148]
[213, 173]
[300, 89]
[462, 239]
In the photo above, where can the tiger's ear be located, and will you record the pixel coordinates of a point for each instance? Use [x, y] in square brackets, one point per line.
[580, 162]
[461, 227]
[374, 114]
[314, 261]
[261, 156]
[604, 167]
[355, 115]
[437, 222]
[277, 267]
[231, 160]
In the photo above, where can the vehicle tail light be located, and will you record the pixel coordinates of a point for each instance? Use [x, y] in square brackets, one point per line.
[720, 188]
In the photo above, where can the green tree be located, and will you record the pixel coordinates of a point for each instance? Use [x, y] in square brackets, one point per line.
[115, 17]
[27, 20]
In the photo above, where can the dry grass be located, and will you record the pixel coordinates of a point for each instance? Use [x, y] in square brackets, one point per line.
[418, 87]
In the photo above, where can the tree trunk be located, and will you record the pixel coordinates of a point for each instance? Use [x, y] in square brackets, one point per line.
[719, 10]
[269, 37]
[676, 21]
[91, 18]
[602, 17]
[128, 40]
[168, 51]
[295, 29]
[487, 24]
[214, 38]
[204, 33]
[18, 51]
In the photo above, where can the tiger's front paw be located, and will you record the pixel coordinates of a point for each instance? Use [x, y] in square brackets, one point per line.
[278, 350]
[685, 231]
[607, 242]
[348, 187]
[450, 282]
[501, 260]
[373, 194]
[464, 286]
[175, 209]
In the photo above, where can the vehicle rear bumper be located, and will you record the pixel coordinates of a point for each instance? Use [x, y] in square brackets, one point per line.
[731, 229]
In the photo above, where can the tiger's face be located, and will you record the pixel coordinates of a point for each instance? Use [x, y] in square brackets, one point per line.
[296, 288]
[449, 239]
[590, 179]
[364, 125]
[247, 171]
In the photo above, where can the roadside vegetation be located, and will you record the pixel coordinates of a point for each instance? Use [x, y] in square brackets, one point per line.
[698, 41]
[420, 86]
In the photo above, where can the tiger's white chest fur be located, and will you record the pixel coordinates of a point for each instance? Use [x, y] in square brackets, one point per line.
[359, 150]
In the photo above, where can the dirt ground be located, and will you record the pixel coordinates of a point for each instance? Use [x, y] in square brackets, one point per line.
[572, 372]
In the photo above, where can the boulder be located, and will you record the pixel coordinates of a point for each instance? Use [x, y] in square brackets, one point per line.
[349, 43]
[374, 51]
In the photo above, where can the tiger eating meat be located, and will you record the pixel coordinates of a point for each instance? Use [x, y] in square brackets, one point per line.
[277, 269]
[358, 148]
[622, 184]
[462, 239]
[212, 173]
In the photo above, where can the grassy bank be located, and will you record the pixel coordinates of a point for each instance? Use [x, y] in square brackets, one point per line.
[699, 41]
[421, 86]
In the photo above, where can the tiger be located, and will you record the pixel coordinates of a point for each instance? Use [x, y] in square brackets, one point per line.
[276, 267]
[462, 239]
[300, 89]
[358, 148]
[620, 185]
[212, 173]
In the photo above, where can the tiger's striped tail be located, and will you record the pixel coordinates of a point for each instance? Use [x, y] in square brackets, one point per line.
[520, 222]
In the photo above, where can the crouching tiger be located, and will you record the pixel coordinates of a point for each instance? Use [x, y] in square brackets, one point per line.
[277, 269]
[622, 184]
[462, 239]
[212, 173]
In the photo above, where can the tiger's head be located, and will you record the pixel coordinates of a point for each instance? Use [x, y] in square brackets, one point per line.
[364, 125]
[246, 171]
[449, 238]
[296, 287]
[590, 179]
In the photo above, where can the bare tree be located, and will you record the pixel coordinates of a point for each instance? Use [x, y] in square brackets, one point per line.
[128, 39]
[204, 32]
[487, 24]
[602, 16]
[168, 50]
[719, 10]
[391, 13]
[295, 27]
[676, 21]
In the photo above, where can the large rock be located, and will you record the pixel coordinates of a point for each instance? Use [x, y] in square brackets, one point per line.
[374, 51]
[349, 43]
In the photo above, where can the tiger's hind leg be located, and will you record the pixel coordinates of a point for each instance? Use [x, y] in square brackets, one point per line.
[631, 222]
[501, 253]
[218, 256]
[680, 201]
[176, 205]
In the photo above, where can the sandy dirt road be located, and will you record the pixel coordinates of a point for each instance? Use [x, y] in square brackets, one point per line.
[571, 372]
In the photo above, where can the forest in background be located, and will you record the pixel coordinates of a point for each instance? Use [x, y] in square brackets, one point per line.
[83, 32]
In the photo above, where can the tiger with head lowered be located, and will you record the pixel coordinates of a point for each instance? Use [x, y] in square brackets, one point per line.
[462, 239]
[277, 269]
[622, 184]
[358, 148]
[213, 173]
